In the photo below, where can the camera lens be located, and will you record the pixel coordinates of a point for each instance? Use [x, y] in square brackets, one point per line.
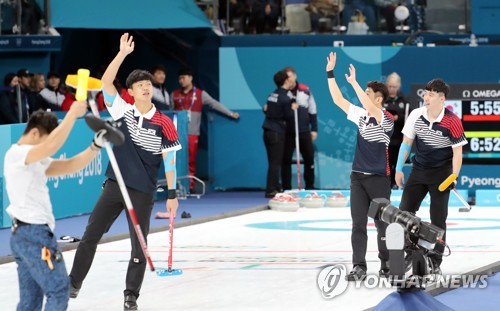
[391, 214]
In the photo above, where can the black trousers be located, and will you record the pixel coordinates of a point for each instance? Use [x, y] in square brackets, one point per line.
[307, 151]
[419, 183]
[393, 160]
[107, 209]
[275, 145]
[365, 188]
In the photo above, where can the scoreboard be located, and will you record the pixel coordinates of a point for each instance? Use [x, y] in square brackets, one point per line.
[478, 106]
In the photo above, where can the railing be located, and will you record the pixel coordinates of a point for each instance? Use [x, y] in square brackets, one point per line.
[444, 16]
[30, 17]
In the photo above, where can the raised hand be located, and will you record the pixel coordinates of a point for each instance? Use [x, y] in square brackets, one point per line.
[330, 61]
[127, 44]
[78, 108]
[351, 78]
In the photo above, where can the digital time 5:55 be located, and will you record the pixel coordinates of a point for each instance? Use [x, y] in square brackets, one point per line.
[487, 107]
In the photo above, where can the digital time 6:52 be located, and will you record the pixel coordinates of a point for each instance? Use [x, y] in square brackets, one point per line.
[488, 144]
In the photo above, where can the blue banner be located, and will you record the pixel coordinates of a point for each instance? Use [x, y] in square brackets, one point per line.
[474, 177]
[488, 197]
[77, 193]
[36, 43]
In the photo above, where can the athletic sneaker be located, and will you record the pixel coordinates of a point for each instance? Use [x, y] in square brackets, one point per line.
[73, 291]
[436, 271]
[434, 267]
[384, 273]
[130, 303]
[384, 269]
[357, 274]
[270, 195]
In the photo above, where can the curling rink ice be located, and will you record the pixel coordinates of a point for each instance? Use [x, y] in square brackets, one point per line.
[261, 261]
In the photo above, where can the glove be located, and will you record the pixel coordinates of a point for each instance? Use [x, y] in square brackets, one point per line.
[99, 139]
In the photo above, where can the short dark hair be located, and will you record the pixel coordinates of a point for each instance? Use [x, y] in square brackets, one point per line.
[379, 87]
[158, 67]
[8, 78]
[185, 72]
[53, 74]
[44, 121]
[136, 76]
[280, 78]
[438, 86]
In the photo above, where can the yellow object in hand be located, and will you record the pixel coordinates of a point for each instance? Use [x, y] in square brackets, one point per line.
[447, 182]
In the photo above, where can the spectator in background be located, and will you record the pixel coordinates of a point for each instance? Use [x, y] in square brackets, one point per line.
[51, 97]
[399, 107]
[161, 99]
[30, 17]
[9, 111]
[308, 132]
[24, 82]
[366, 7]
[192, 99]
[69, 98]
[387, 8]
[123, 92]
[237, 11]
[322, 9]
[37, 83]
[278, 110]
[11, 80]
[416, 20]
[24, 78]
[264, 14]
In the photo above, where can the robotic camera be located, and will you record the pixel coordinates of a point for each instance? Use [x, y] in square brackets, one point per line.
[407, 232]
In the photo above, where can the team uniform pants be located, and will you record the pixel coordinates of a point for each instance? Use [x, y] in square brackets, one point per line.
[108, 208]
[365, 188]
[307, 151]
[275, 145]
[393, 160]
[192, 151]
[423, 181]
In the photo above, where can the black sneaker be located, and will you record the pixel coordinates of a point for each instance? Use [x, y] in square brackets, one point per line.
[434, 267]
[357, 274]
[384, 269]
[437, 271]
[384, 273]
[270, 195]
[130, 303]
[73, 291]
